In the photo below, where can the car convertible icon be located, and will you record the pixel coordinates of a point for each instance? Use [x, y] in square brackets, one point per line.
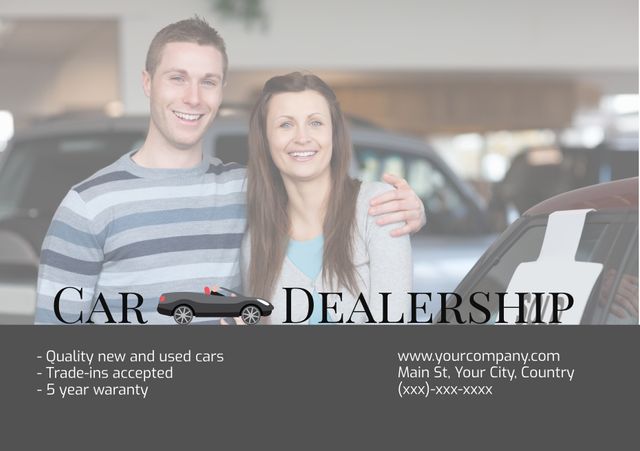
[216, 302]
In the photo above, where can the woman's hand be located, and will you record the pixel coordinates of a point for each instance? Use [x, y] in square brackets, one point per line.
[399, 205]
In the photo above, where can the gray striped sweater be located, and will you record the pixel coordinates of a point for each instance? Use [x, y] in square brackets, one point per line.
[148, 231]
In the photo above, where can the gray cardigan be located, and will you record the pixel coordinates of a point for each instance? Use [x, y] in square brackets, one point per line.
[383, 264]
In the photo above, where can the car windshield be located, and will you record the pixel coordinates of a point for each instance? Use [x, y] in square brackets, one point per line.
[605, 239]
[38, 172]
[226, 292]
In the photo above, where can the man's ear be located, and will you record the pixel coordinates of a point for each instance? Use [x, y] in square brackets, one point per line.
[146, 83]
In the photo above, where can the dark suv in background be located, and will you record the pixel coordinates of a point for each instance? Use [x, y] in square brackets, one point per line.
[40, 166]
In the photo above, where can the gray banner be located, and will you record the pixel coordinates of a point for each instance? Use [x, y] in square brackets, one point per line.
[300, 387]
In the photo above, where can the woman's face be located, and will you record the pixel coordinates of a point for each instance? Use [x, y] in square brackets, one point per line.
[299, 132]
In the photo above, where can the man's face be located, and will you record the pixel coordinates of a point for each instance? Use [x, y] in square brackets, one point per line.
[184, 92]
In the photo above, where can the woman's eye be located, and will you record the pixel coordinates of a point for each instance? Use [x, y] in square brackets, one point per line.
[316, 123]
[285, 125]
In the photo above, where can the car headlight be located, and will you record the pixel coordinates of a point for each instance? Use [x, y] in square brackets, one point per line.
[263, 302]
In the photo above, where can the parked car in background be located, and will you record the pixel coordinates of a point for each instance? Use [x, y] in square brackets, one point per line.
[36, 170]
[584, 241]
[539, 173]
[41, 164]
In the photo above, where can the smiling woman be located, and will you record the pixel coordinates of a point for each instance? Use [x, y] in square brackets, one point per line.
[308, 221]
[298, 127]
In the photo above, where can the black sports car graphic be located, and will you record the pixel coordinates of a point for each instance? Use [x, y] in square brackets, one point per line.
[215, 301]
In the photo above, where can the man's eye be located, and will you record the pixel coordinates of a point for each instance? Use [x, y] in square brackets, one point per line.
[177, 78]
[210, 83]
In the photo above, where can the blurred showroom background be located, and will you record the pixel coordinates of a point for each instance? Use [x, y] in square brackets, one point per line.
[510, 94]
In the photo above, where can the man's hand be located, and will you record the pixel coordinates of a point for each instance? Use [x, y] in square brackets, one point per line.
[400, 205]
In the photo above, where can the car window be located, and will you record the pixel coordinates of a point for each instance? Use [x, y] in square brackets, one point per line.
[39, 172]
[605, 239]
[226, 292]
[614, 299]
[448, 213]
[525, 248]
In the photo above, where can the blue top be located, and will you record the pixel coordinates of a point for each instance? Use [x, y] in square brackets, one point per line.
[307, 257]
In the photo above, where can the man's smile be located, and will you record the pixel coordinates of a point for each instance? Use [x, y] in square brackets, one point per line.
[188, 116]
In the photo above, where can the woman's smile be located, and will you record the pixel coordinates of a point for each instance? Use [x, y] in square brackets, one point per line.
[303, 155]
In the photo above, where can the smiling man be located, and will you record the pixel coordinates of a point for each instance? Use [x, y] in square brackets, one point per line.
[185, 90]
[166, 217]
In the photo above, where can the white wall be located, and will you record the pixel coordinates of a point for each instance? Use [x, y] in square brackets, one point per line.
[439, 34]
[445, 34]
[86, 78]
[436, 35]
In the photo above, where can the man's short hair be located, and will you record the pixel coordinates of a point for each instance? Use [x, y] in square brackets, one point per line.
[195, 30]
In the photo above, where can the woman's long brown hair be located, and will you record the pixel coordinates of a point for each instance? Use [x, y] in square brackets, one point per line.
[268, 218]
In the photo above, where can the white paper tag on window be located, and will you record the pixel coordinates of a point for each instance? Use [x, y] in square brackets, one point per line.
[555, 271]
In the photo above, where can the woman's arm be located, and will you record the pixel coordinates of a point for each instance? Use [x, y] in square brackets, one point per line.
[390, 263]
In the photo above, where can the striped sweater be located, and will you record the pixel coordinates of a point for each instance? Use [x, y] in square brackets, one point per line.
[147, 231]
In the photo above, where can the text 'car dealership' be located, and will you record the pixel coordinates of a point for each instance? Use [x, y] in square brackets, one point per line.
[532, 308]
